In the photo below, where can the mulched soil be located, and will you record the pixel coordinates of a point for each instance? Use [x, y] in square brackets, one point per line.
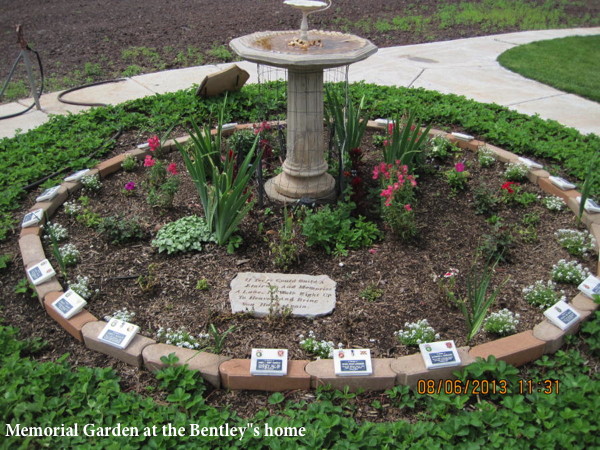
[406, 273]
[70, 33]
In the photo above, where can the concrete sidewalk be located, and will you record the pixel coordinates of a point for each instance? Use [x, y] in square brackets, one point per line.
[465, 67]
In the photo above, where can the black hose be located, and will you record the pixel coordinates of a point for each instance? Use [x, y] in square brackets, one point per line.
[76, 88]
[39, 60]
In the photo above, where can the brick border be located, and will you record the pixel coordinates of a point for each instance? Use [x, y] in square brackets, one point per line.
[222, 371]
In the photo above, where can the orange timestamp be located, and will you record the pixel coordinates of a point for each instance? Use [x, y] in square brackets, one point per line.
[486, 387]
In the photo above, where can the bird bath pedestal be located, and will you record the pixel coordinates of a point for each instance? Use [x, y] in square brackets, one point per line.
[304, 172]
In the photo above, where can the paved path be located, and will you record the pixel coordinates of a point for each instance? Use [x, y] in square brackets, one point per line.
[466, 67]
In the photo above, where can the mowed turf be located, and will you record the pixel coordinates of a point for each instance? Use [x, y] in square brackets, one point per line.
[571, 64]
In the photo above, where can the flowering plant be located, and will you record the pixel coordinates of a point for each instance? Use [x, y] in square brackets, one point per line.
[457, 177]
[485, 156]
[516, 172]
[570, 272]
[129, 188]
[404, 142]
[502, 323]
[553, 203]
[398, 196]
[577, 243]
[321, 349]
[543, 295]
[416, 333]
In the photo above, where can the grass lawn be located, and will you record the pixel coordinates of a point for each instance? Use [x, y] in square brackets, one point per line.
[571, 64]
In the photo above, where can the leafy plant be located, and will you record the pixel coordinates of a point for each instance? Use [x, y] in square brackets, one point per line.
[130, 163]
[82, 287]
[5, 261]
[441, 148]
[484, 201]
[181, 338]
[283, 246]
[478, 299]
[498, 243]
[218, 337]
[516, 172]
[23, 287]
[405, 142]
[321, 349]
[277, 312]
[347, 119]
[591, 175]
[223, 189]
[371, 293]
[119, 230]
[69, 255]
[335, 230]
[485, 157]
[202, 285]
[553, 203]
[91, 183]
[183, 235]
[162, 196]
[457, 177]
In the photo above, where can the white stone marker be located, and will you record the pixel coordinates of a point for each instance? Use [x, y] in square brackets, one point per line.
[118, 333]
[304, 295]
[48, 194]
[439, 354]
[69, 304]
[590, 286]
[77, 175]
[32, 218]
[41, 272]
[562, 315]
[561, 183]
[352, 362]
[269, 361]
[529, 163]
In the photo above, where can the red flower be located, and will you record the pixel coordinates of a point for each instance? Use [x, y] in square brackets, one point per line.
[507, 186]
[172, 169]
[149, 161]
[356, 181]
[153, 143]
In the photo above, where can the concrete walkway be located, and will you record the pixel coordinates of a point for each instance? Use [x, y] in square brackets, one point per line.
[465, 67]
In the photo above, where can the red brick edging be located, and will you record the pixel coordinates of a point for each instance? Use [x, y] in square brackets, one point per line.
[221, 371]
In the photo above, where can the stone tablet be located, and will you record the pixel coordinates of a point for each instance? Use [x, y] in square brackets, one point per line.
[304, 295]
[439, 354]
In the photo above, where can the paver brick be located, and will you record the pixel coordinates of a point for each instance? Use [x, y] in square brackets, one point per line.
[322, 373]
[503, 155]
[131, 355]
[517, 349]
[410, 369]
[73, 325]
[536, 174]
[32, 251]
[35, 230]
[546, 185]
[235, 374]
[111, 165]
[584, 303]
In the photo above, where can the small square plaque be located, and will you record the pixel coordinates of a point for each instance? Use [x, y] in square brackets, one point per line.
[69, 304]
[529, 163]
[32, 218]
[352, 362]
[590, 205]
[48, 194]
[561, 183]
[118, 333]
[590, 286]
[77, 175]
[562, 315]
[269, 361]
[463, 136]
[41, 272]
[439, 354]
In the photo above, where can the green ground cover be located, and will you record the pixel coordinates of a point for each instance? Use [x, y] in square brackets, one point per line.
[77, 141]
[47, 394]
[571, 64]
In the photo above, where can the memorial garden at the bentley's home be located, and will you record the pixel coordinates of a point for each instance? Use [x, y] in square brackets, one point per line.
[370, 265]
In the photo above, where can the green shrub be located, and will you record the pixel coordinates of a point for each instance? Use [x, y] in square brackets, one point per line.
[118, 230]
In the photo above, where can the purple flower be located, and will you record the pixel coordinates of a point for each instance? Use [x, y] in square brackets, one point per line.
[459, 167]
[130, 186]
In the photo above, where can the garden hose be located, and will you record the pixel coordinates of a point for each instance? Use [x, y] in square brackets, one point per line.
[39, 60]
[76, 88]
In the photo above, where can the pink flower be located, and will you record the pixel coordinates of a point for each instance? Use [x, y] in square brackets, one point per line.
[149, 161]
[172, 169]
[153, 143]
[408, 207]
[130, 186]
[459, 167]
[372, 251]
[390, 127]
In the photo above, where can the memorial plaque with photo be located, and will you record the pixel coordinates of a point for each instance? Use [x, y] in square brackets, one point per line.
[41, 272]
[118, 333]
[32, 218]
[439, 354]
[302, 295]
[69, 304]
[590, 286]
[48, 194]
[352, 362]
[269, 361]
[562, 315]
